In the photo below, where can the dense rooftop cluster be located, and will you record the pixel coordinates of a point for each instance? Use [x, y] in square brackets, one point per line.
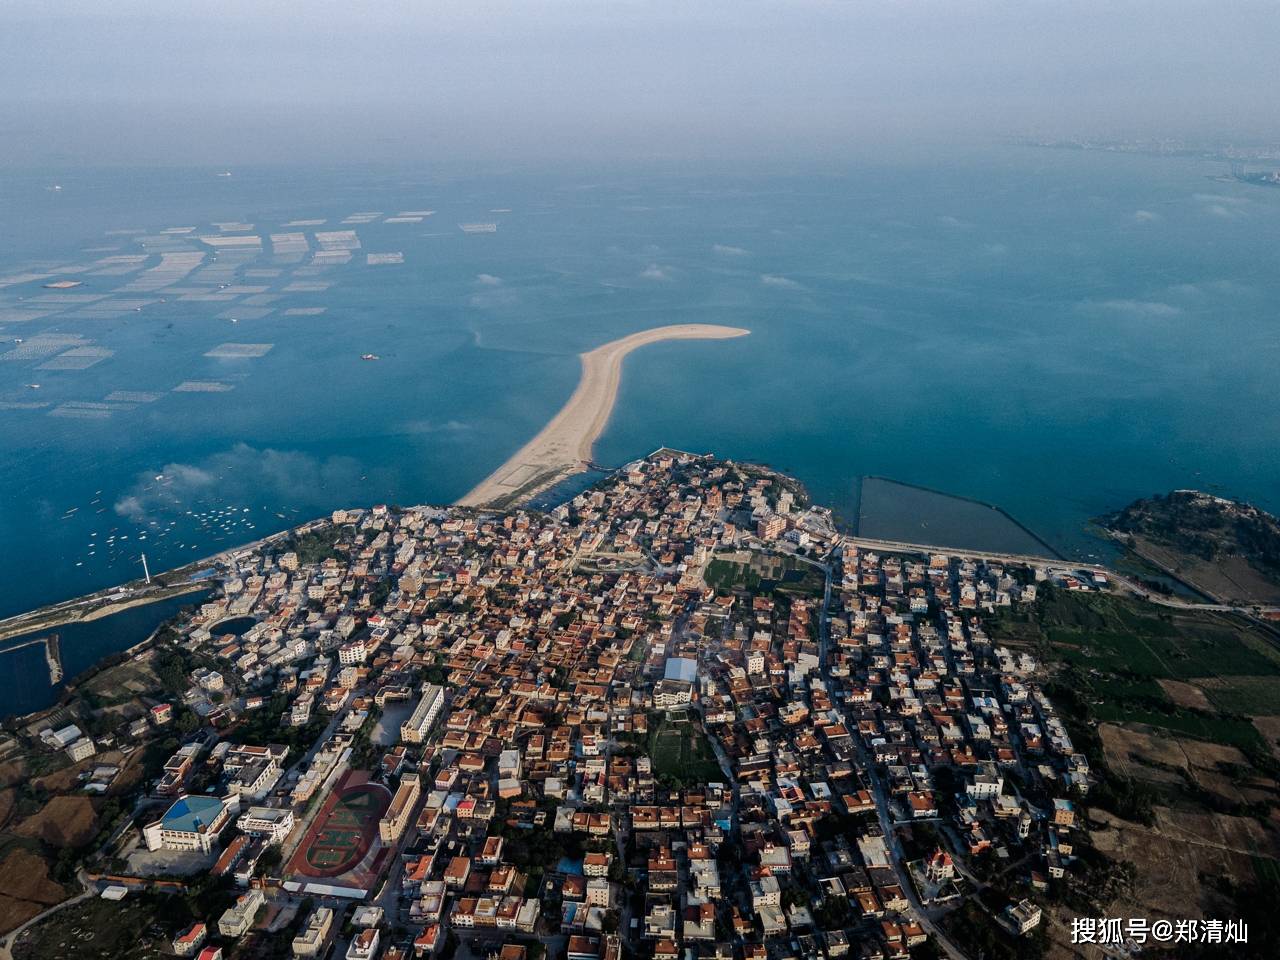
[677, 716]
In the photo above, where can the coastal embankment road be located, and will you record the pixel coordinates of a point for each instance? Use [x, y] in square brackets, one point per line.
[563, 446]
[1060, 565]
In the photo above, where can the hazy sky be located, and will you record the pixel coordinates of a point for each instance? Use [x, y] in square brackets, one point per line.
[255, 80]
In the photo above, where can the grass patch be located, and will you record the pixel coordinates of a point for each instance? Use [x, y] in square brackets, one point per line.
[680, 752]
[1124, 636]
[1266, 869]
[765, 573]
[1119, 648]
[1257, 696]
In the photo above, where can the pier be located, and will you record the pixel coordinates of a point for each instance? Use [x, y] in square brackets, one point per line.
[52, 654]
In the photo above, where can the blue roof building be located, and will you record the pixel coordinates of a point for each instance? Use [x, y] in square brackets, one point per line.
[191, 823]
[683, 669]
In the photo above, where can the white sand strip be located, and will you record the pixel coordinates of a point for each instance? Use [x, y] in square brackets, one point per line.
[563, 447]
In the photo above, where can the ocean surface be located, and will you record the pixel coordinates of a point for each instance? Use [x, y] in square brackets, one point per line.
[1052, 332]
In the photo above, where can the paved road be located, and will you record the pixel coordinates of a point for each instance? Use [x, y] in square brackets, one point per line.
[877, 787]
[303, 824]
[1057, 564]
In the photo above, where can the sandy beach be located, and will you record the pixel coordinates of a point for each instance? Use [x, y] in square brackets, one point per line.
[563, 447]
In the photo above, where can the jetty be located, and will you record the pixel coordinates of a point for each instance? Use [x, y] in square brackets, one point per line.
[52, 654]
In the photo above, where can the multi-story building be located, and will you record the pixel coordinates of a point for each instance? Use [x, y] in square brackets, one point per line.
[1023, 916]
[350, 654]
[364, 946]
[188, 942]
[271, 824]
[599, 893]
[209, 680]
[1064, 812]
[771, 527]
[238, 918]
[424, 714]
[190, 823]
[311, 938]
[252, 771]
[392, 825]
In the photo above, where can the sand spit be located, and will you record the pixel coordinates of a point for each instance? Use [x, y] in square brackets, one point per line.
[563, 447]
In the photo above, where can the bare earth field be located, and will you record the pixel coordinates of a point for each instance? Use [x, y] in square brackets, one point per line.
[1157, 758]
[1226, 578]
[1269, 727]
[25, 888]
[563, 446]
[1142, 756]
[65, 821]
[1186, 695]
[1171, 857]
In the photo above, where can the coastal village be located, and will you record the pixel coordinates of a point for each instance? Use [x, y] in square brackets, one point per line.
[676, 717]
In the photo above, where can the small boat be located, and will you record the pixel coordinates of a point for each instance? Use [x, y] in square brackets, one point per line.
[33, 386]
[369, 356]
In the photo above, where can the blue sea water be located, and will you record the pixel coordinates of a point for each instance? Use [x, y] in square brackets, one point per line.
[26, 673]
[1054, 332]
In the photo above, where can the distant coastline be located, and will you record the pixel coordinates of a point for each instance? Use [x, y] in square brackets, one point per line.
[563, 447]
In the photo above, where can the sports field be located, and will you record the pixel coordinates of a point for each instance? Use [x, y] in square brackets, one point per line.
[344, 830]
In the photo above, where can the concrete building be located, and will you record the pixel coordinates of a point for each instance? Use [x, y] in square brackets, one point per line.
[272, 824]
[599, 893]
[191, 823]
[209, 680]
[985, 786]
[1064, 812]
[765, 892]
[252, 771]
[364, 946]
[188, 942]
[509, 764]
[392, 825]
[350, 654]
[311, 937]
[1023, 916]
[238, 918]
[424, 714]
[939, 867]
[771, 527]
[672, 694]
